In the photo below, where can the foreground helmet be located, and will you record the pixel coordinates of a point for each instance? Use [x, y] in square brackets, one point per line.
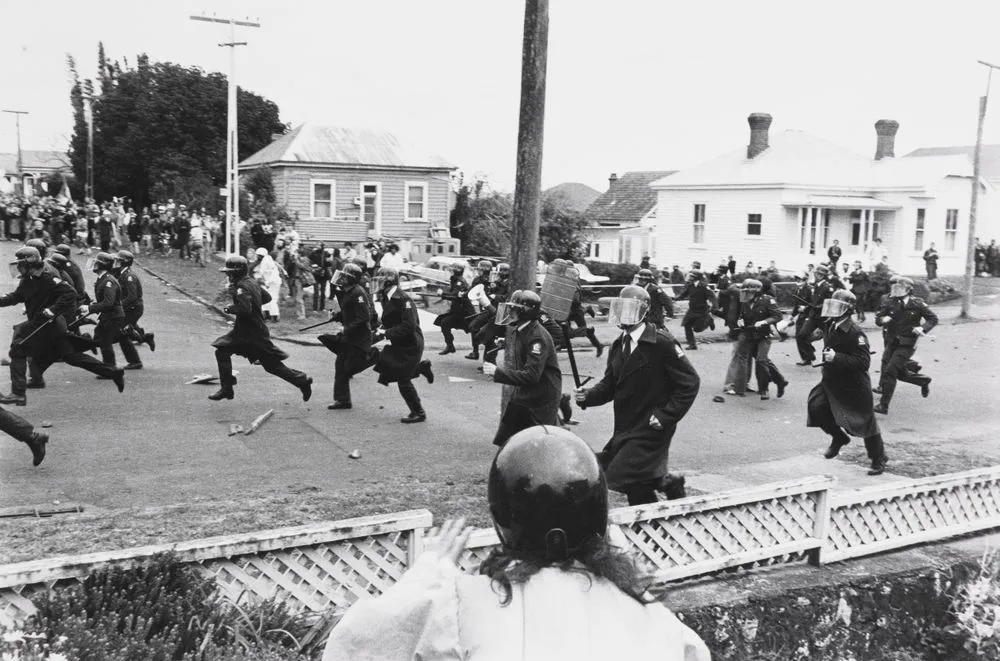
[901, 287]
[347, 276]
[629, 307]
[644, 276]
[63, 249]
[750, 289]
[236, 266]
[38, 245]
[102, 262]
[840, 303]
[26, 259]
[125, 258]
[524, 305]
[547, 494]
[386, 277]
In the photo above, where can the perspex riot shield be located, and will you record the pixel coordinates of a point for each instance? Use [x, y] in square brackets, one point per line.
[558, 288]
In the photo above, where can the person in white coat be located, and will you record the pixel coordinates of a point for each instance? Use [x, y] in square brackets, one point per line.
[556, 589]
[265, 271]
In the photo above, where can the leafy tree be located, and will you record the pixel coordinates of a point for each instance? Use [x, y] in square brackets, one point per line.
[160, 131]
[560, 232]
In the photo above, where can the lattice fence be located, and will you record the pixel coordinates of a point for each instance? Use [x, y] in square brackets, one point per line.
[879, 519]
[319, 566]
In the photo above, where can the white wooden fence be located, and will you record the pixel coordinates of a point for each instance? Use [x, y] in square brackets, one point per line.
[331, 565]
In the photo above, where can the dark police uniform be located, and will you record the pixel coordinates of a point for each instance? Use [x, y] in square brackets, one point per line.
[400, 361]
[460, 308]
[655, 379]
[133, 306]
[842, 401]
[755, 343]
[536, 378]
[498, 292]
[699, 313]
[804, 333]
[251, 338]
[111, 317]
[353, 345]
[905, 314]
[47, 291]
[661, 306]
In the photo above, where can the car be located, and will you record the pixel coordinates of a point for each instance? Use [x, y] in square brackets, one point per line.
[586, 277]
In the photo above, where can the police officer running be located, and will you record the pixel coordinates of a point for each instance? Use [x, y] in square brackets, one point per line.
[841, 404]
[47, 301]
[661, 306]
[108, 304]
[901, 319]
[824, 288]
[758, 311]
[250, 336]
[353, 345]
[133, 306]
[458, 311]
[652, 384]
[535, 374]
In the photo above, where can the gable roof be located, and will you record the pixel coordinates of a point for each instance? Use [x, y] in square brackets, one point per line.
[574, 196]
[34, 160]
[989, 157]
[626, 201]
[798, 159]
[313, 143]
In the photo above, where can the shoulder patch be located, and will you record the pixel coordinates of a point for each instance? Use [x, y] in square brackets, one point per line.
[239, 290]
[107, 284]
[862, 341]
[536, 348]
[56, 280]
[407, 305]
[680, 352]
[361, 299]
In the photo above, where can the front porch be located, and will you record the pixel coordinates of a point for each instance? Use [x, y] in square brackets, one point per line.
[855, 222]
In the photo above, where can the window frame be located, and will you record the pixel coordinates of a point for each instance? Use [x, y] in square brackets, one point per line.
[406, 201]
[699, 222]
[378, 204]
[759, 224]
[920, 230]
[312, 198]
[951, 232]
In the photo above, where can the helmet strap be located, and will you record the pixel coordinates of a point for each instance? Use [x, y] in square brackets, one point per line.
[556, 546]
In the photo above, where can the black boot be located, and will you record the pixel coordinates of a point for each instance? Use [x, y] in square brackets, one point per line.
[592, 336]
[447, 350]
[876, 452]
[225, 391]
[672, 487]
[37, 445]
[425, 369]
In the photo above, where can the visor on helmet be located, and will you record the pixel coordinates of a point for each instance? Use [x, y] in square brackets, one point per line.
[508, 313]
[341, 279]
[747, 295]
[627, 311]
[834, 308]
[898, 290]
[16, 271]
[91, 262]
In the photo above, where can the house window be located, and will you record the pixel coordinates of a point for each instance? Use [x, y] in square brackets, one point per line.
[371, 205]
[416, 201]
[858, 225]
[323, 193]
[950, 229]
[753, 224]
[699, 223]
[595, 250]
[918, 237]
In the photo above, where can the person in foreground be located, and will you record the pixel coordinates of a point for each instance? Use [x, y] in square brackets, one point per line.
[555, 589]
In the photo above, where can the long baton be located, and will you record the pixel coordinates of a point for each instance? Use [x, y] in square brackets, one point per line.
[35, 332]
[77, 322]
[322, 323]
[569, 353]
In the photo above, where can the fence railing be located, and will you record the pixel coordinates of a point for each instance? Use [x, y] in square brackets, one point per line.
[331, 565]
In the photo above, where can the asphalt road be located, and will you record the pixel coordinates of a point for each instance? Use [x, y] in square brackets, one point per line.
[162, 442]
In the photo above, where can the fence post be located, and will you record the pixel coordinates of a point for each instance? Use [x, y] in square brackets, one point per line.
[820, 526]
[415, 547]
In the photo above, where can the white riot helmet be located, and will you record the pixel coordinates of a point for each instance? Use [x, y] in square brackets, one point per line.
[840, 303]
[629, 307]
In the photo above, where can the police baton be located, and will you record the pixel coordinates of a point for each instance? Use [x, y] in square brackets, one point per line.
[35, 332]
[322, 323]
[569, 354]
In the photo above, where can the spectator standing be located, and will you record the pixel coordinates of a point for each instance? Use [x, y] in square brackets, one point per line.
[834, 252]
[877, 254]
[860, 281]
[265, 272]
[732, 265]
[392, 259]
[349, 252]
[677, 277]
[321, 275]
[182, 233]
[931, 261]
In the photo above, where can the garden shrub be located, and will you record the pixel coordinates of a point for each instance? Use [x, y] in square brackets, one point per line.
[619, 274]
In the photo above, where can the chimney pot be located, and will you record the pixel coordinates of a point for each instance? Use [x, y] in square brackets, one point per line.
[759, 122]
[612, 179]
[886, 129]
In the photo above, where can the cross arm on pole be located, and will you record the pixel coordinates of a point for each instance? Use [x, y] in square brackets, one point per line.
[227, 21]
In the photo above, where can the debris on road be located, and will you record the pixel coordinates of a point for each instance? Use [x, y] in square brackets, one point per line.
[207, 379]
[258, 421]
[235, 429]
[46, 424]
[355, 454]
[719, 399]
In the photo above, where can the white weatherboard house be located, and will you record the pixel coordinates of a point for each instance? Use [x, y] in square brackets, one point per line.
[787, 197]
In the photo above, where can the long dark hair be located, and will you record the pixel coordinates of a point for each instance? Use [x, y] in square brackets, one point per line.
[508, 567]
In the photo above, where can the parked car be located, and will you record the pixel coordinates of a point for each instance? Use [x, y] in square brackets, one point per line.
[586, 277]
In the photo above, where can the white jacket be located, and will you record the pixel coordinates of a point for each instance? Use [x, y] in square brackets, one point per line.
[437, 612]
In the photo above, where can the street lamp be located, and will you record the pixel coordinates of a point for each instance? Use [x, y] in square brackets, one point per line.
[232, 139]
[970, 256]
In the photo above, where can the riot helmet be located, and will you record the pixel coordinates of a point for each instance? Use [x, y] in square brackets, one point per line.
[629, 307]
[524, 305]
[502, 272]
[386, 277]
[484, 267]
[644, 277]
[236, 267]
[103, 261]
[547, 494]
[64, 249]
[750, 289]
[901, 287]
[58, 260]
[841, 303]
[125, 257]
[38, 245]
[347, 276]
[26, 261]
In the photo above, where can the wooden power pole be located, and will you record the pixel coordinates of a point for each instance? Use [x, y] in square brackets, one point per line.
[530, 128]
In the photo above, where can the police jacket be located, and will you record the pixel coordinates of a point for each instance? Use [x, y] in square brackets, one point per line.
[76, 279]
[355, 315]
[845, 383]
[859, 282]
[44, 290]
[823, 290]
[400, 359]
[249, 335]
[803, 299]
[698, 296]
[905, 314]
[107, 298]
[762, 308]
[535, 374]
[658, 302]
[131, 290]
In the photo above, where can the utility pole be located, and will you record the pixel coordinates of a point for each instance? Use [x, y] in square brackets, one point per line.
[20, 163]
[528, 178]
[970, 255]
[232, 139]
[88, 186]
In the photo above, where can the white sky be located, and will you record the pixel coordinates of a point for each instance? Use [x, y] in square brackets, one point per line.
[632, 84]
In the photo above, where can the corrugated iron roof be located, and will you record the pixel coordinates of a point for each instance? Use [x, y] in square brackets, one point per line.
[989, 157]
[313, 143]
[627, 201]
[32, 159]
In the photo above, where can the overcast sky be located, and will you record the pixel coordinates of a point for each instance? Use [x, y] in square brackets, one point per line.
[632, 84]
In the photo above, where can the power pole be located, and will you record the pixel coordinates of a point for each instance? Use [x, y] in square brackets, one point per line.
[528, 178]
[88, 187]
[970, 255]
[20, 163]
[232, 136]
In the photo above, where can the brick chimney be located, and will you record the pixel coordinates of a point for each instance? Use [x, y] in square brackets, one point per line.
[759, 122]
[886, 129]
[612, 180]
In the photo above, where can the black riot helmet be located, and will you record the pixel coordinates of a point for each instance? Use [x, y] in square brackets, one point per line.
[750, 289]
[38, 245]
[26, 260]
[236, 267]
[547, 494]
[103, 261]
[58, 260]
[501, 273]
[524, 305]
[124, 258]
[349, 275]
[64, 249]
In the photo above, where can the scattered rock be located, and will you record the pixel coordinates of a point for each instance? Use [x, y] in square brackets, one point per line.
[355, 454]
[46, 424]
[719, 399]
